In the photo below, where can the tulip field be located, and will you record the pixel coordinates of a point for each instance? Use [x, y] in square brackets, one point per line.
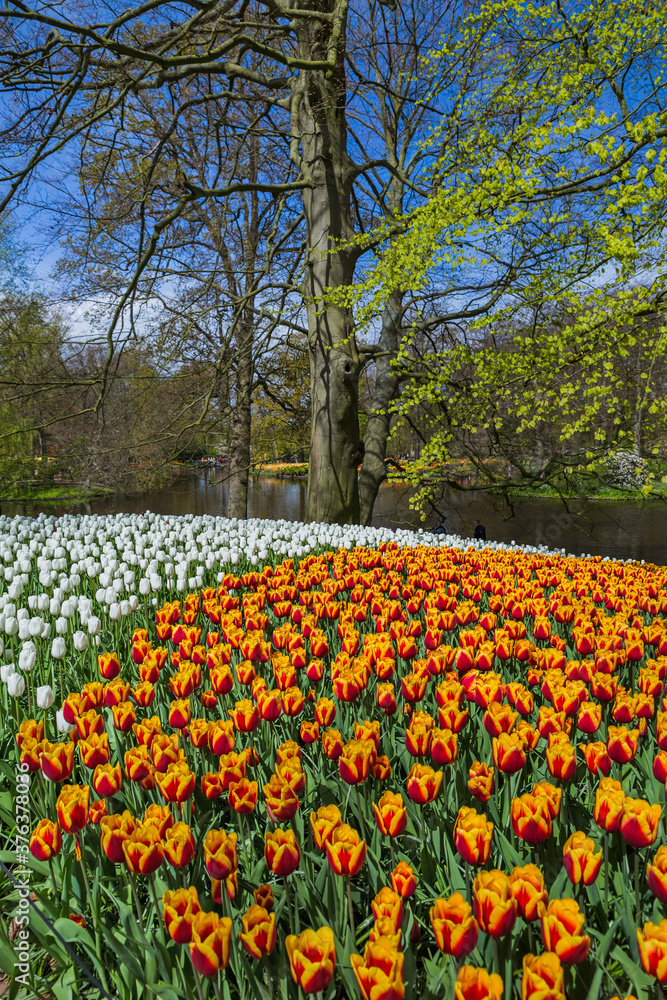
[256, 760]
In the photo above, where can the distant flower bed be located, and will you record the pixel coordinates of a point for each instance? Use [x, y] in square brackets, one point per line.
[262, 756]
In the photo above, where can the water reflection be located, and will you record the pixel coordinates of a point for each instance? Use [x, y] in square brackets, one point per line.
[623, 530]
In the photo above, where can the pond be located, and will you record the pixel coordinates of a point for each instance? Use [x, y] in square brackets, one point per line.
[625, 530]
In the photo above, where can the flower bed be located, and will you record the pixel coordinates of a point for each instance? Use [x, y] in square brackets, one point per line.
[258, 760]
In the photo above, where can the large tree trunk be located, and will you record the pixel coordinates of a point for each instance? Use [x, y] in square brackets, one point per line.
[374, 468]
[335, 449]
[239, 465]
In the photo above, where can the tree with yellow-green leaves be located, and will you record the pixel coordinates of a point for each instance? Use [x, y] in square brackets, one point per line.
[545, 239]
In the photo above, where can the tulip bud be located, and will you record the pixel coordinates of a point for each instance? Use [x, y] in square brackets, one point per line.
[58, 648]
[6, 671]
[11, 626]
[27, 657]
[45, 697]
[16, 686]
[35, 626]
[61, 626]
[94, 625]
[80, 641]
[114, 612]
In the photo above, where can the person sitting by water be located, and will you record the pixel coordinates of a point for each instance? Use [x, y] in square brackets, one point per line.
[480, 532]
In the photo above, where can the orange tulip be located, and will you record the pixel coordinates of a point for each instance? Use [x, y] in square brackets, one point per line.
[638, 822]
[622, 743]
[113, 831]
[609, 799]
[312, 958]
[281, 801]
[531, 819]
[423, 783]
[57, 760]
[444, 746]
[332, 742]
[323, 823]
[109, 665]
[143, 850]
[494, 905]
[258, 936]
[355, 761]
[391, 815]
[107, 780]
[656, 874]
[481, 780]
[542, 977]
[46, 840]
[597, 759]
[281, 852]
[245, 716]
[581, 863]
[561, 757]
[72, 808]
[160, 817]
[509, 753]
[379, 973]
[124, 716]
[177, 783]
[403, 880]
[477, 984]
[179, 910]
[346, 852]
[551, 795]
[263, 896]
[179, 845]
[472, 836]
[455, 928]
[527, 887]
[242, 795]
[652, 943]
[220, 853]
[499, 718]
[418, 740]
[209, 947]
[562, 926]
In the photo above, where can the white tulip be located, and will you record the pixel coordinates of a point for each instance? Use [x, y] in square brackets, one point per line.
[144, 586]
[24, 629]
[58, 648]
[15, 686]
[45, 697]
[134, 602]
[125, 608]
[23, 615]
[80, 641]
[62, 725]
[46, 631]
[6, 671]
[61, 626]
[27, 657]
[35, 625]
[94, 625]
[15, 591]
[114, 612]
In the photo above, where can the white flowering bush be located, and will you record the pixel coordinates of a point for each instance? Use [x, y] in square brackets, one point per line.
[625, 470]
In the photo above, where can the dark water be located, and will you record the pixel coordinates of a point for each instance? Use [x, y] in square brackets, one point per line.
[626, 530]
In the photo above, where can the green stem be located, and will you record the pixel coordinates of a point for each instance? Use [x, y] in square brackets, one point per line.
[137, 905]
[607, 873]
[349, 905]
[96, 923]
[198, 984]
